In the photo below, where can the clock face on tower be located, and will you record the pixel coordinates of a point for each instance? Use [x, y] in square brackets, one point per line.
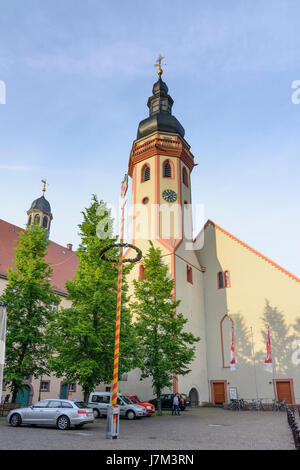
[169, 195]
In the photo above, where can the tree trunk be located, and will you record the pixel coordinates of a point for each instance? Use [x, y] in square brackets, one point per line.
[86, 395]
[158, 401]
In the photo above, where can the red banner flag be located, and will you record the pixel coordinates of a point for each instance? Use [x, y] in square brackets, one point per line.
[268, 365]
[232, 355]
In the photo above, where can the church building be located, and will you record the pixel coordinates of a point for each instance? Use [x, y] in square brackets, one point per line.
[233, 296]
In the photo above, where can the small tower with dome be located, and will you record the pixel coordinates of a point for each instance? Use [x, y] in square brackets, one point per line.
[40, 212]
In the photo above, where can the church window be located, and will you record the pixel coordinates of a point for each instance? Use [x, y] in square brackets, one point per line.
[226, 279]
[167, 169]
[29, 220]
[226, 329]
[45, 221]
[142, 276]
[146, 173]
[37, 219]
[220, 280]
[223, 279]
[189, 274]
[185, 177]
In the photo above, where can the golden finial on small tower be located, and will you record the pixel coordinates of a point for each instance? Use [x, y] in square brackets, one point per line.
[44, 187]
[158, 64]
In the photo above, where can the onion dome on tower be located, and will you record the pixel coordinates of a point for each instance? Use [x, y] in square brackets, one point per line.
[160, 111]
[40, 212]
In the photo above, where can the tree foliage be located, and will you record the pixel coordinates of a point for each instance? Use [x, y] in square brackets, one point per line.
[83, 335]
[166, 347]
[29, 298]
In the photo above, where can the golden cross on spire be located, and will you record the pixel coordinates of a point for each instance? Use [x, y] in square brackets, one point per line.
[44, 187]
[158, 64]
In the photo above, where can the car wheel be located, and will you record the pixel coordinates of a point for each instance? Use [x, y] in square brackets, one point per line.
[130, 415]
[96, 413]
[63, 423]
[16, 420]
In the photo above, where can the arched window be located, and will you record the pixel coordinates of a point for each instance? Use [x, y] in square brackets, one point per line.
[223, 279]
[37, 219]
[226, 279]
[167, 169]
[146, 173]
[45, 221]
[189, 274]
[29, 220]
[185, 177]
[226, 327]
[142, 272]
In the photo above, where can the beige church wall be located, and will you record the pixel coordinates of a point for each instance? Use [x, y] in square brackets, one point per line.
[192, 307]
[260, 294]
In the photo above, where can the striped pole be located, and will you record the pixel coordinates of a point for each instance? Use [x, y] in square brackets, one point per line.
[118, 318]
[119, 301]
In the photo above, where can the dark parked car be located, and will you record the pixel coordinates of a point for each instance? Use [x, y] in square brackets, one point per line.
[186, 399]
[167, 401]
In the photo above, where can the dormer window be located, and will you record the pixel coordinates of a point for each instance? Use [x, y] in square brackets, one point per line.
[155, 106]
[164, 105]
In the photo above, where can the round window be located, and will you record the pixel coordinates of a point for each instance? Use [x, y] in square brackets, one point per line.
[145, 200]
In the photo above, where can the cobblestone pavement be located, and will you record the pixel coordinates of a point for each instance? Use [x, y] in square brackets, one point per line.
[194, 429]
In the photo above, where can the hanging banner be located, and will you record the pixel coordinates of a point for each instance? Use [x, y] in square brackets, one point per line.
[268, 365]
[232, 355]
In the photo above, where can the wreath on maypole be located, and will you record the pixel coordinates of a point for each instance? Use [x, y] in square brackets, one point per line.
[104, 257]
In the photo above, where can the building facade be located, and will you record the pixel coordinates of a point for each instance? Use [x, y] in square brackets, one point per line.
[226, 288]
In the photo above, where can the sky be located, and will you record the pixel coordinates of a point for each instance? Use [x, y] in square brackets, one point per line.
[78, 75]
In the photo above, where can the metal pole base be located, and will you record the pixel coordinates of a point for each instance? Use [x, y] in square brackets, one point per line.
[112, 423]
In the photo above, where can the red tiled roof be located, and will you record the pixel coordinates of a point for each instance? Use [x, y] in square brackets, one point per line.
[275, 265]
[64, 262]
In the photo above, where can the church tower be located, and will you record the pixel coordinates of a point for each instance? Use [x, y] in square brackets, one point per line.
[160, 166]
[40, 212]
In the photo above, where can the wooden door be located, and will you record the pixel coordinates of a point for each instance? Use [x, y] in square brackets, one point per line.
[219, 392]
[284, 391]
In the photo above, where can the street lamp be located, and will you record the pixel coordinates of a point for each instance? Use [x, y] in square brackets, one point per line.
[2, 343]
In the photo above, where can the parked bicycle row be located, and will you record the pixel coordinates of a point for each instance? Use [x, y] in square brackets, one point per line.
[257, 404]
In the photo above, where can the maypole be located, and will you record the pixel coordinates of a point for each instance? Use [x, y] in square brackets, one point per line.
[113, 410]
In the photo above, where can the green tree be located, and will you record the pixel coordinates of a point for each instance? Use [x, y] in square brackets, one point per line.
[83, 335]
[165, 347]
[30, 298]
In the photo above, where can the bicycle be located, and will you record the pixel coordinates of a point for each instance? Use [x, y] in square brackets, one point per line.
[235, 405]
[238, 405]
[279, 405]
[257, 405]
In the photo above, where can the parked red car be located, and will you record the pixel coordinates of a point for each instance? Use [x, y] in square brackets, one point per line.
[150, 408]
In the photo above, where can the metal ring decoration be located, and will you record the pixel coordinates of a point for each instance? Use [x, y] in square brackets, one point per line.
[123, 260]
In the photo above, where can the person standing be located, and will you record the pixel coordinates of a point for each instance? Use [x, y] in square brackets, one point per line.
[176, 409]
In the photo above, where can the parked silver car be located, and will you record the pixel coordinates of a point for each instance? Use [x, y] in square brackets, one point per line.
[53, 412]
[99, 402]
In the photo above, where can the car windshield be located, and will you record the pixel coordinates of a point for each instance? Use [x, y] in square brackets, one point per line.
[80, 404]
[127, 400]
[136, 398]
